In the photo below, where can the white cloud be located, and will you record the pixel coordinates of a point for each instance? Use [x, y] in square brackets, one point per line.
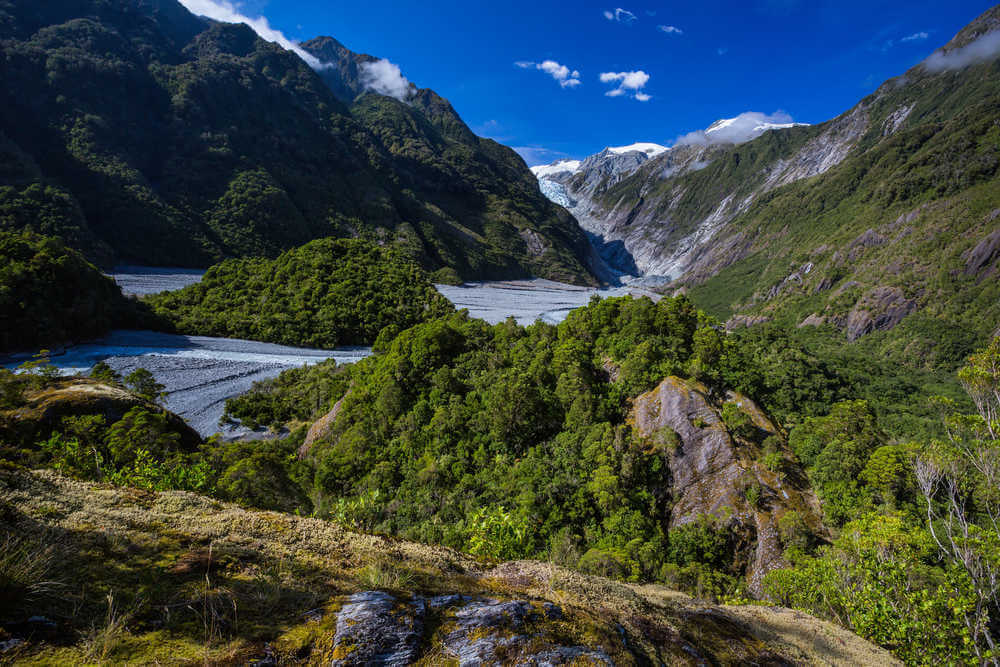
[915, 37]
[738, 130]
[628, 82]
[567, 78]
[670, 29]
[620, 15]
[557, 71]
[385, 78]
[225, 11]
[982, 49]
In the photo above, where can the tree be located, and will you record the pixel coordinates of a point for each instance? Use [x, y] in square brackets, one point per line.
[959, 478]
[104, 373]
[141, 382]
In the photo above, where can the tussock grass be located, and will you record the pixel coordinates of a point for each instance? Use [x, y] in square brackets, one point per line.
[174, 578]
[26, 569]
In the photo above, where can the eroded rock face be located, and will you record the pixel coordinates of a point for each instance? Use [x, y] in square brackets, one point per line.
[879, 309]
[322, 428]
[648, 219]
[713, 470]
[979, 258]
[377, 628]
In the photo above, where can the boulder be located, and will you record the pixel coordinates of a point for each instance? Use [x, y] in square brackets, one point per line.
[813, 320]
[378, 628]
[712, 470]
[373, 627]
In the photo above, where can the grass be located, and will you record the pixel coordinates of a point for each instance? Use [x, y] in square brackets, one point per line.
[26, 565]
[174, 578]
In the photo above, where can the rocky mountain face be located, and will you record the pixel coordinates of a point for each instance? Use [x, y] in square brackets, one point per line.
[716, 472]
[142, 133]
[883, 215]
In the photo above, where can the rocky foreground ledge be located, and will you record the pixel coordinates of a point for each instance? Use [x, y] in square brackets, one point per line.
[115, 575]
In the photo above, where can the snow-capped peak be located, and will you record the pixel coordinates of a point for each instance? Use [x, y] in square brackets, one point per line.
[651, 150]
[747, 126]
[560, 167]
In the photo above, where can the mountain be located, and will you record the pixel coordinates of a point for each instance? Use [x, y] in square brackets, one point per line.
[887, 215]
[141, 133]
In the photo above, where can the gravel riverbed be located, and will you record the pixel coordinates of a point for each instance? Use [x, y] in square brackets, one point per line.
[200, 373]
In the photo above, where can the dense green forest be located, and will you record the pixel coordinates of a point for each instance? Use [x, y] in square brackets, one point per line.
[141, 133]
[51, 295]
[510, 442]
[327, 293]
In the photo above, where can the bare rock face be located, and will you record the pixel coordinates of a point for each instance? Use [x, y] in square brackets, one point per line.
[745, 321]
[377, 628]
[985, 253]
[879, 309]
[813, 320]
[716, 472]
[322, 428]
[373, 629]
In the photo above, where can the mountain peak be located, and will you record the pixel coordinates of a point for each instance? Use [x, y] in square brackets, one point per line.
[650, 149]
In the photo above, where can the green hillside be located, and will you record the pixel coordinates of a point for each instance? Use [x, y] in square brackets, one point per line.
[327, 293]
[141, 133]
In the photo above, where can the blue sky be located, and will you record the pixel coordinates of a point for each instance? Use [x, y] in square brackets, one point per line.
[704, 60]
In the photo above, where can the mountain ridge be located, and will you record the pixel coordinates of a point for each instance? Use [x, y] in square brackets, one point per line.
[778, 228]
[141, 133]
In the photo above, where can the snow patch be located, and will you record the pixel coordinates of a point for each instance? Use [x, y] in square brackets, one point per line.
[651, 150]
[560, 167]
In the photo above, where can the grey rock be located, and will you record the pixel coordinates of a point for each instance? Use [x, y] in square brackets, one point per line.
[711, 469]
[374, 628]
[656, 238]
[869, 239]
[322, 428]
[490, 632]
[983, 254]
[813, 320]
[879, 309]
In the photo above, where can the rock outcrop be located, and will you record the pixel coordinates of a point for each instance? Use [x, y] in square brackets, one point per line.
[44, 411]
[375, 627]
[321, 428]
[880, 308]
[716, 471]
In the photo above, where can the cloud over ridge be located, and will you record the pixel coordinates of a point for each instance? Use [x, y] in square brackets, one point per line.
[980, 50]
[385, 78]
[226, 12]
[748, 125]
